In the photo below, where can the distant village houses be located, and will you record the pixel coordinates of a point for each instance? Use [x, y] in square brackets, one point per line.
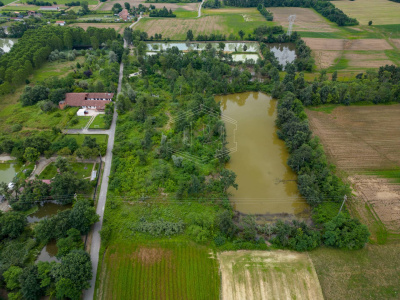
[96, 101]
[124, 14]
[60, 23]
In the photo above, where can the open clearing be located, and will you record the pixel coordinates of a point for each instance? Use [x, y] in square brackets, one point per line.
[380, 12]
[370, 273]
[268, 275]
[119, 27]
[173, 270]
[358, 139]
[306, 19]
[187, 6]
[177, 28]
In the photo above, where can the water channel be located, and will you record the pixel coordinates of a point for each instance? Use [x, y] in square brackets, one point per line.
[267, 186]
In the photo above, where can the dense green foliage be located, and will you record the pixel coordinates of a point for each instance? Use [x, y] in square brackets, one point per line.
[325, 8]
[162, 13]
[269, 16]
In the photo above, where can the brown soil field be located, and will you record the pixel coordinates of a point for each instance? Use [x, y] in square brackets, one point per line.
[382, 195]
[340, 44]
[188, 6]
[268, 275]
[306, 19]
[367, 60]
[325, 59]
[396, 42]
[119, 27]
[364, 138]
[178, 28]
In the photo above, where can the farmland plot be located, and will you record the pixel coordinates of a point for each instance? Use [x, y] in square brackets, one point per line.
[172, 270]
[268, 275]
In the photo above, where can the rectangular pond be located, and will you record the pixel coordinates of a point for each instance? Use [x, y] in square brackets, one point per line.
[267, 185]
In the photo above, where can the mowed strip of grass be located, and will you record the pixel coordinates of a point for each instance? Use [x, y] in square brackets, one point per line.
[81, 170]
[98, 123]
[159, 270]
[370, 273]
[82, 121]
[100, 138]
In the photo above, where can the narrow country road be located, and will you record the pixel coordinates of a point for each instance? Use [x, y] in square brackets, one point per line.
[199, 13]
[96, 241]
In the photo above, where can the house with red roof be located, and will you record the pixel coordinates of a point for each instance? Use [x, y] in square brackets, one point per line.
[96, 101]
[124, 14]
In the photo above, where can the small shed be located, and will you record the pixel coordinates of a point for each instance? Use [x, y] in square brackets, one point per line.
[81, 112]
[93, 176]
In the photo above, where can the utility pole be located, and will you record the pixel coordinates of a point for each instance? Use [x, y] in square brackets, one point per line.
[291, 22]
[344, 200]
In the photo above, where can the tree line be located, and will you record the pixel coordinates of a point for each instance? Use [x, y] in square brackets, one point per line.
[269, 16]
[325, 8]
[162, 13]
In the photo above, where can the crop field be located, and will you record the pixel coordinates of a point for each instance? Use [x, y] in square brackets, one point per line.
[380, 12]
[370, 273]
[358, 140]
[268, 275]
[170, 270]
[306, 19]
[352, 55]
[119, 27]
[187, 6]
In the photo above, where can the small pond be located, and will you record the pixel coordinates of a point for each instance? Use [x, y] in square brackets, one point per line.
[229, 46]
[284, 53]
[244, 57]
[267, 186]
[6, 44]
[8, 171]
[48, 252]
[46, 209]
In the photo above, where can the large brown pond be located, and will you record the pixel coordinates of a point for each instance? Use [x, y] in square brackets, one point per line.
[266, 184]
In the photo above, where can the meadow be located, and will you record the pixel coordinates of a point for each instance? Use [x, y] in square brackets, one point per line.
[98, 123]
[82, 121]
[163, 270]
[100, 138]
[81, 170]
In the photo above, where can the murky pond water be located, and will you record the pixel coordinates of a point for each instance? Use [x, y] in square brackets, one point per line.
[244, 57]
[48, 252]
[6, 44]
[46, 210]
[284, 53]
[266, 183]
[8, 171]
[229, 46]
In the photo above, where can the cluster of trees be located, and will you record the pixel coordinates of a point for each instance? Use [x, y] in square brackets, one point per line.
[66, 278]
[212, 4]
[162, 13]
[39, 3]
[269, 16]
[34, 48]
[73, 3]
[325, 8]
[23, 194]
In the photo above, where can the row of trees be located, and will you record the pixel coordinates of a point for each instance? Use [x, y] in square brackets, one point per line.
[325, 8]
[162, 13]
[269, 16]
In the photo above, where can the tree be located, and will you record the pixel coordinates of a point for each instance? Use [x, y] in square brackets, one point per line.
[226, 224]
[244, 48]
[221, 46]
[33, 95]
[30, 283]
[228, 179]
[83, 215]
[369, 23]
[11, 277]
[12, 224]
[116, 8]
[31, 154]
[334, 76]
[73, 275]
[127, 5]
[89, 142]
[241, 34]
[62, 164]
[345, 232]
[189, 35]
[71, 242]
[64, 186]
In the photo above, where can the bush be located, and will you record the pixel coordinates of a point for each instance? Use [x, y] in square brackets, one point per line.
[16, 127]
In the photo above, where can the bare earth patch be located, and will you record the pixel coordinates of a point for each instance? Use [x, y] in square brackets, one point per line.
[396, 42]
[325, 59]
[383, 196]
[324, 44]
[178, 27]
[367, 60]
[367, 44]
[363, 138]
[268, 275]
[306, 19]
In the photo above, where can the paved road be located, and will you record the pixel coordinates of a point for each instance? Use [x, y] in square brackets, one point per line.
[96, 240]
[133, 24]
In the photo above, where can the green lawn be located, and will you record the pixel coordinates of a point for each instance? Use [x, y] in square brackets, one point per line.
[82, 121]
[98, 123]
[57, 68]
[81, 170]
[100, 138]
[183, 13]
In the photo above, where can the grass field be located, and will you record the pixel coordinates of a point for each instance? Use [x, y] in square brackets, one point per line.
[380, 12]
[100, 138]
[167, 270]
[57, 68]
[268, 275]
[98, 123]
[81, 170]
[370, 273]
[82, 121]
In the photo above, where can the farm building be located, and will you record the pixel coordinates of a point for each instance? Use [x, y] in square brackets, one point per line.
[124, 14]
[60, 23]
[96, 101]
